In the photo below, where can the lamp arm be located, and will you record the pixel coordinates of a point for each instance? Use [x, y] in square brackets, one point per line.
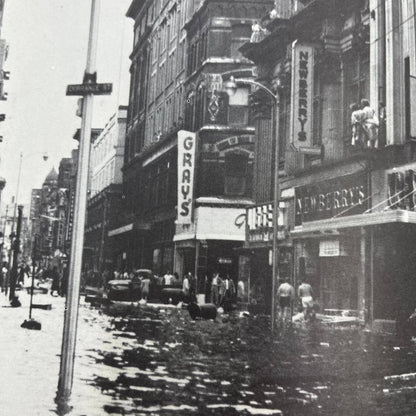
[257, 84]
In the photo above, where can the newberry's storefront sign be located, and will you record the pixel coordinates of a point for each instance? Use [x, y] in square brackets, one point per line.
[302, 94]
[346, 195]
[186, 170]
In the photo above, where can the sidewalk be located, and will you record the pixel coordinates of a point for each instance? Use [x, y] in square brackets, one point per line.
[29, 359]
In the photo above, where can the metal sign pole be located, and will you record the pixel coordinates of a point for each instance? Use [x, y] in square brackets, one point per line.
[35, 249]
[72, 300]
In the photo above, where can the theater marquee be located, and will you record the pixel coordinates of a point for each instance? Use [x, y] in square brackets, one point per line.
[302, 94]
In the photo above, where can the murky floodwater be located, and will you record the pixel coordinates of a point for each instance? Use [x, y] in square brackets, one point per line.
[160, 362]
[149, 361]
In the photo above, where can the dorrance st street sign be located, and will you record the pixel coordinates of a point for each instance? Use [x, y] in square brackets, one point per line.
[84, 89]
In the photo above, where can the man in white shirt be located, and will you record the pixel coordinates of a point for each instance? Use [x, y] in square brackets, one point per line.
[168, 278]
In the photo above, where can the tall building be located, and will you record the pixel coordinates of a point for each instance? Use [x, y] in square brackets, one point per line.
[207, 239]
[171, 91]
[104, 202]
[155, 114]
[49, 194]
[34, 215]
[69, 212]
[347, 166]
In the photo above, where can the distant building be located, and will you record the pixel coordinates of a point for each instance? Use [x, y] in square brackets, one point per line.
[49, 194]
[105, 197]
[69, 211]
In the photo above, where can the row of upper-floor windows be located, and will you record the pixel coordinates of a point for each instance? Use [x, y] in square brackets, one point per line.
[230, 176]
[168, 115]
[103, 147]
[156, 186]
[103, 178]
[217, 43]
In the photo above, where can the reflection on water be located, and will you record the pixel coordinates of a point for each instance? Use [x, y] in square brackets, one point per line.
[159, 362]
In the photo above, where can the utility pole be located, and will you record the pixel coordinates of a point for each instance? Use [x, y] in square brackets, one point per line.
[87, 90]
[16, 248]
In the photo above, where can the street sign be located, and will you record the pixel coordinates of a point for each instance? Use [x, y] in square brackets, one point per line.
[84, 89]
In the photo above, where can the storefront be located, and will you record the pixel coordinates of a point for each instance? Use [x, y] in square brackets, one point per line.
[356, 249]
[210, 243]
[330, 251]
[259, 249]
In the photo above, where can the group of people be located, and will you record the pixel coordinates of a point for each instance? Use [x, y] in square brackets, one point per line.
[286, 297]
[365, 124]
[222, 290]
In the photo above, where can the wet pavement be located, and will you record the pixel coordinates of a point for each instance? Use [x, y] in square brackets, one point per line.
[157, 361]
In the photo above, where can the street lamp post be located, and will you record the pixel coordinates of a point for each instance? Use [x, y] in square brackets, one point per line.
[15, 252]
[231, 87]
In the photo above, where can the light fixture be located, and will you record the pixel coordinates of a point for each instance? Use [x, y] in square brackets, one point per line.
[230, 86]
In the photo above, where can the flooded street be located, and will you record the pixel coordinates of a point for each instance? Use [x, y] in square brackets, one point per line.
[163, 363]
[157, 361]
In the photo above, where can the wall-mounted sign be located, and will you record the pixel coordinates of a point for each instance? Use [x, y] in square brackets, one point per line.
[186, 171]
[331, 248]
[401, 189]
[346, 195]
[260, 223]
[225, 260]
[302, 94]
[260, 217]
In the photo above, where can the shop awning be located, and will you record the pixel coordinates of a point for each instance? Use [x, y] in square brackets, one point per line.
[332, 225]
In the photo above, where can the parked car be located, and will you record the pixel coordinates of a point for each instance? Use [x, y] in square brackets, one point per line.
[128, 289]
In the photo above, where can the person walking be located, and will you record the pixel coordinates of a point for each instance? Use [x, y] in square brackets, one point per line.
[286, 296]
[228, 293]
[192, 287]
[185, 287]
[56, 281]
[145, 287]
[215, 289]
[305, 294]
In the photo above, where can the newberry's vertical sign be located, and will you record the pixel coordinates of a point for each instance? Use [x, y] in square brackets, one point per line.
[186, 172]
[302, 94]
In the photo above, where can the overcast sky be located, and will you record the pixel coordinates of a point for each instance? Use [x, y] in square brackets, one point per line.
[47, 50]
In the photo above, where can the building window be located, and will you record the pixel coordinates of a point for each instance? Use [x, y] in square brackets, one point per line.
[240, 35]
[357, 84]
[238, 107]
[189, 111]
[235, 183]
